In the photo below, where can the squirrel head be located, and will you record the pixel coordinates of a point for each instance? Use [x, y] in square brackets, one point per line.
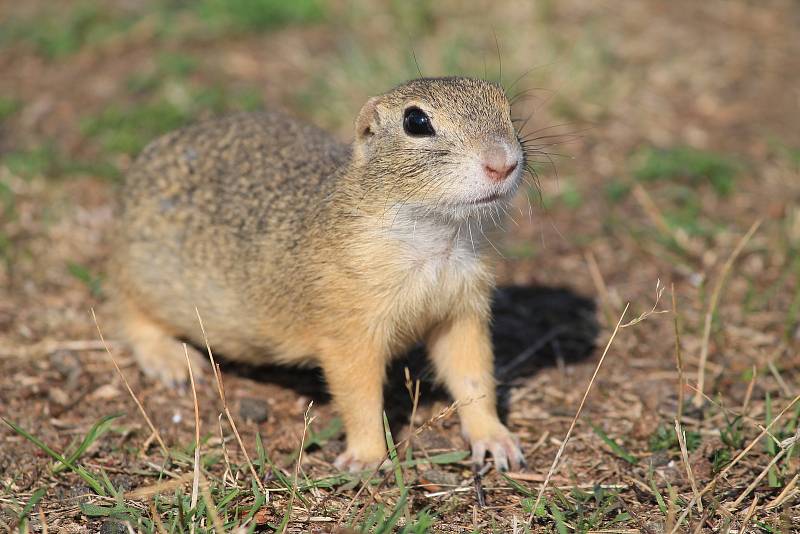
[445, 145]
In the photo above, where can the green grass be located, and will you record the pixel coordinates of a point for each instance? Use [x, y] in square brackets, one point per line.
[126, 129]
[8, 106]
[665, 439]
[47, 161]
[615, 447]
[688, 165]
[258, 15]
[92, 281]
[59, 32]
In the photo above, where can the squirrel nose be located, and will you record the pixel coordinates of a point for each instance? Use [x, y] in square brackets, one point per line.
[496, 164]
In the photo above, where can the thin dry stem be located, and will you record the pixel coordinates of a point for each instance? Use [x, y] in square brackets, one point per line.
[678, 353]
[651, 209]
[196, 477]
[221, 391]
[128, 387]
[712, 308]
[687, 464]
[43, 521]
[228, 470]
[145, 492]
[785, 494]
[750, 511]
[749, 394]
[157, 519]
[577, 415]
[600, 286]
[307, 419]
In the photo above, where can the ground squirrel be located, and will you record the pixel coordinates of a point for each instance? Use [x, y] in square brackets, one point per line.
[297, 249]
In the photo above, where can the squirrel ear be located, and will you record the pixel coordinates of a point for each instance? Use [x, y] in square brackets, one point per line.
[367, 119]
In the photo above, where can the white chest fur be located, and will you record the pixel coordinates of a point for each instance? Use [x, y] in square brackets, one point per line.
[434, 264]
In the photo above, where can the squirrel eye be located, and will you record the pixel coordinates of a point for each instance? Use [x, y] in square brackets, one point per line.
[416, 123]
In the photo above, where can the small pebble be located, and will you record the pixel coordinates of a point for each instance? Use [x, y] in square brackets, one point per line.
[252, 409]
[112, 526]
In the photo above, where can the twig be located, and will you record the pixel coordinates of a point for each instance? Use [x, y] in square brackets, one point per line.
[196, 478]
[130, 390]
[221, 391]
[575, 419]
[712, 308]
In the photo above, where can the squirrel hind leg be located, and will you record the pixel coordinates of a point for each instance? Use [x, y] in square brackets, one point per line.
[159, 354]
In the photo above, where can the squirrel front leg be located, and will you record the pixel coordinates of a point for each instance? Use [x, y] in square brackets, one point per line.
[461, 351]
[355, 373]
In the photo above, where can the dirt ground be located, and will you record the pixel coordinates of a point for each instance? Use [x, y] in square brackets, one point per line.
[673, 173]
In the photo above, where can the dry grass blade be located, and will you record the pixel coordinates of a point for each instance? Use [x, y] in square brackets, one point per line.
[228, 474]
[157, 519]
[600, 287]
[652, 311]
[785, 389]
[43, 521]
[750, 511]
[657, 218]
[687, 464]
[575, 419]
[749, 393]
[678, 354]
[221, 391]
[196, 477]
[128, 387]
[712, 308]
[145, 492]
[785, 494]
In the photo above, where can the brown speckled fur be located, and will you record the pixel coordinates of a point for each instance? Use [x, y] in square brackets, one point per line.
[298, 249]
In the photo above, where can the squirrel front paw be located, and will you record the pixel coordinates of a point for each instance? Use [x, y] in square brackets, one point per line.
[355, 460]
[501, 443]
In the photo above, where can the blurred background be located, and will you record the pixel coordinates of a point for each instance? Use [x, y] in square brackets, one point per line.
[669, 128]
[695, 102]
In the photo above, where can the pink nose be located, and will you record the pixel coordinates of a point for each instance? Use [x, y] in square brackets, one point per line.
[496, 164]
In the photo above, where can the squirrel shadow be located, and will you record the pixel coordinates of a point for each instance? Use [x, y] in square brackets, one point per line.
[532, 328]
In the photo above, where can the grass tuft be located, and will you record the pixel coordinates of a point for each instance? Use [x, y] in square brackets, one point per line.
[696, 167]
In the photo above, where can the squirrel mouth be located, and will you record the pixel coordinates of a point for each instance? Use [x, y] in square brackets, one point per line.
[486, 200]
